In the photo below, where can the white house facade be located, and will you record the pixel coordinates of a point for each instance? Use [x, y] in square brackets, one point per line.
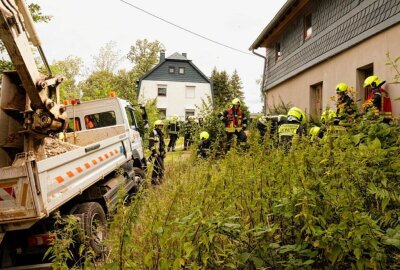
[178, 85]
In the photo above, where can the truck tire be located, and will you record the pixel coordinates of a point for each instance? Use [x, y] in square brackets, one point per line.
[94, 225]
[140, 177]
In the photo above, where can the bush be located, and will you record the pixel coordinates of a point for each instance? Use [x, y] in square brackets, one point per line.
[334, 205]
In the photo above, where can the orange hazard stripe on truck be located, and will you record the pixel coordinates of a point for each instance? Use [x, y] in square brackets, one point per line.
[86, 166]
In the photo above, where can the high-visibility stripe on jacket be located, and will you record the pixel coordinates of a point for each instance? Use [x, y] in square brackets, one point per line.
[381, 100]
[288, 131]
[235, 120]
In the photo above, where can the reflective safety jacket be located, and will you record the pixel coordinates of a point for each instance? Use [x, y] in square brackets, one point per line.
[234, 120]
[287, 131]
[173, 127]
[334, 131]
[156, 142]
[381, 100]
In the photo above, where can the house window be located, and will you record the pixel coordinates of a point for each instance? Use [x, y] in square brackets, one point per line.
[171, 70]
[190, 91]
[278, 52]
[189, 113]
[307, 26]
[162, 113]
[316, 100]
[162, 91]
[363, 73]
[181, 70]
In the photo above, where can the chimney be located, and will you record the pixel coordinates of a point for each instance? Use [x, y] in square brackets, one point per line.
[162, 56]
[184, 55]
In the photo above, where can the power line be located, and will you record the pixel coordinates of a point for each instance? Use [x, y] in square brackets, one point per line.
[185, 29]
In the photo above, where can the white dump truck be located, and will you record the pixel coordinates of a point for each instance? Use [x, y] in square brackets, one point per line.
[54, 157]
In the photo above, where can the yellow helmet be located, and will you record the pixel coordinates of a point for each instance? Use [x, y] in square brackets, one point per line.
[327, 116]
[314, 131]
[204, 135]
[298, 114]
[372, 81]
[158, 123]
[236, 101]
[341, 87]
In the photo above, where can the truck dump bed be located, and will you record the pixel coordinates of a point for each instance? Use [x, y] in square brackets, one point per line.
[31, 190]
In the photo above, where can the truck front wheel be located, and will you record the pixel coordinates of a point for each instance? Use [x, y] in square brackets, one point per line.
[94, 225]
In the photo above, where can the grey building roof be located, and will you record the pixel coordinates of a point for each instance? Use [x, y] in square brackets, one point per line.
[160, 71]
[177, 56]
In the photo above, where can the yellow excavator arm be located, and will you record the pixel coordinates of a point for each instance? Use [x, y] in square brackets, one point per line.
[29, 100]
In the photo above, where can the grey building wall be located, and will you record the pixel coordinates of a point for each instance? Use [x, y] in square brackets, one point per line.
[161, 73]
[336, 26]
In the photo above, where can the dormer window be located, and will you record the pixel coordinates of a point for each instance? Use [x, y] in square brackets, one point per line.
[278, 52]
[307, 26]
[171, 70]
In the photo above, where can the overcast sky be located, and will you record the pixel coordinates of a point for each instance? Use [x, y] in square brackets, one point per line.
[81, 27]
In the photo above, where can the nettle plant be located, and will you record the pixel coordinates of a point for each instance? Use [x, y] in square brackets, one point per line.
[321, 205]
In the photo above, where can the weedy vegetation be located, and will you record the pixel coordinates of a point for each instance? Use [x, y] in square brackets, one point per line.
[331, 204]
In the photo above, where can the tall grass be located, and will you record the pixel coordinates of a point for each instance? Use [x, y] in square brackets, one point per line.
[332, 205]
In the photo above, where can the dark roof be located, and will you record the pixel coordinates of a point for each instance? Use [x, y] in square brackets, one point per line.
[284, 9]
[177, 56]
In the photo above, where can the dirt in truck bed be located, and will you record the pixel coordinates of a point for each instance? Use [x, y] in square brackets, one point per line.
[54, 147]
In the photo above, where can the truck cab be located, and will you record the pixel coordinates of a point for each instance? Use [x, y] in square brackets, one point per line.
[96, 120]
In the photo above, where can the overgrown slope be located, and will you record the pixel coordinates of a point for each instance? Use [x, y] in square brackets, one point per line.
[332, 205]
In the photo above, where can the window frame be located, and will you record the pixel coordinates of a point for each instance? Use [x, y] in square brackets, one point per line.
[162, 112]
[130, 114]
[159, 93]
[278, 51]
[189, 112]
[183, 70]
[171, 70]
[307, 35]
[194, 91]
[96, 120]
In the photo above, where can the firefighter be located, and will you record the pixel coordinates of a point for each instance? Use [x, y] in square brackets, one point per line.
[235, 123]
[331, 127]
[203, 150]
[272, 122]
[157, 148]
[377, 97]
[294, 127]
[314, 133]
[173, 132]
[345, 106]
[190, 130]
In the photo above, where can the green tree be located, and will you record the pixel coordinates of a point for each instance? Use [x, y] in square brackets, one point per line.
[37, 15]
[144, 56]
[125, 85]
[222, 94]
[97, 85]
[236, 87]
[70, 69]
[108, 58]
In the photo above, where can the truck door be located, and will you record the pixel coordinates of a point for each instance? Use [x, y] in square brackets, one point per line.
[134, 135]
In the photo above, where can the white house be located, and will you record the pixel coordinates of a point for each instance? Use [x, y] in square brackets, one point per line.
[177, 84]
